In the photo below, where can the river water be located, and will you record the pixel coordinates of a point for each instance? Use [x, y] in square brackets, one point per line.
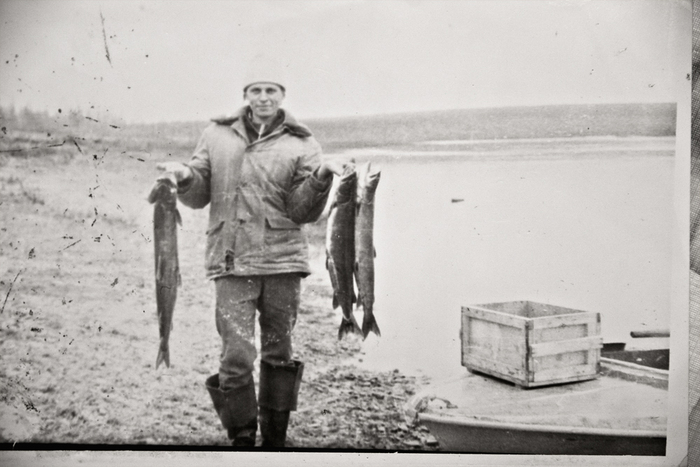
[582, 223]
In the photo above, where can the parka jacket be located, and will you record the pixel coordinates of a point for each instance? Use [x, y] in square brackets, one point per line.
[259, 195]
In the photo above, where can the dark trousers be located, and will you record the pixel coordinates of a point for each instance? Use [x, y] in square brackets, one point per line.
[276, 297]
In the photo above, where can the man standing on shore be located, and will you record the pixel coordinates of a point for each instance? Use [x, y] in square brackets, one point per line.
[261, 173]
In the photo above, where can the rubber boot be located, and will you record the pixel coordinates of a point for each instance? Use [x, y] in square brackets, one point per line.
[237, 410]
[279, 388]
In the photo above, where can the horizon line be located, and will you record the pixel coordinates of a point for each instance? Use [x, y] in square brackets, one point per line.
[341, 117]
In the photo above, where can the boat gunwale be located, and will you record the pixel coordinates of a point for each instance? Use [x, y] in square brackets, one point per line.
[634, 366]
[560, 429]
[641, 374]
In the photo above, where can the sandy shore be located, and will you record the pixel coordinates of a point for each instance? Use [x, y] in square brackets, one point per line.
[78, 327]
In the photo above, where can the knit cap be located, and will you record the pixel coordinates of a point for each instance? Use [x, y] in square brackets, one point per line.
[264, 69]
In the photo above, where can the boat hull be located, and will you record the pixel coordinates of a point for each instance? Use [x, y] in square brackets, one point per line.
[503, 438]
[622, 412]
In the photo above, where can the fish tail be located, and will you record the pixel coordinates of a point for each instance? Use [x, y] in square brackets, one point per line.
[369, 323]
[163, 356]
[347, 327]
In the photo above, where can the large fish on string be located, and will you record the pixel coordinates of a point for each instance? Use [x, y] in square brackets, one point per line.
[165, 219]
[340, 249]
[367, 182]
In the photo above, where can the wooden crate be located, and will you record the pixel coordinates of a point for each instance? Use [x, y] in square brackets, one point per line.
[531, 344]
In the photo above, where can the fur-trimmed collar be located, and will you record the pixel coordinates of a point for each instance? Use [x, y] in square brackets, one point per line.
[290, 123]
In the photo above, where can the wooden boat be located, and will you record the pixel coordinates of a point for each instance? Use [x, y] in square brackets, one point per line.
[621, 412]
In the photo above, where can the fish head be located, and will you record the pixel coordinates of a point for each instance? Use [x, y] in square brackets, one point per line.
[164, 190]
[362, 172]
[347, 185]
[372, 178]
[370, 185]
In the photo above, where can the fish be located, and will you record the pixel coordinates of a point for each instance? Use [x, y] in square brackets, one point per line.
[340, 250]
[166, 218]
[364, 247]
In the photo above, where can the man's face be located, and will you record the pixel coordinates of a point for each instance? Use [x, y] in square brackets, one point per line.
[264, 99]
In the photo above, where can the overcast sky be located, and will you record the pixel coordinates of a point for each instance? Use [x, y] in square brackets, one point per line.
[184, 60]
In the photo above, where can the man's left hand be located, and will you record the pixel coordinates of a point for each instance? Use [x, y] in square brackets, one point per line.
[330, 167]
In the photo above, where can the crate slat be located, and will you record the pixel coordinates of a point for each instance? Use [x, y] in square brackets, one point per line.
[574, 373]
[573, 345]
[565, 320]
[490, 367]
[495, 317]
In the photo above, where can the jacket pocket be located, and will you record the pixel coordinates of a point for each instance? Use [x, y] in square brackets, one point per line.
[283, 239]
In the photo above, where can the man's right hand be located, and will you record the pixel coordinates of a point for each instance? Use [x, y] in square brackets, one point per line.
[181, 171]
